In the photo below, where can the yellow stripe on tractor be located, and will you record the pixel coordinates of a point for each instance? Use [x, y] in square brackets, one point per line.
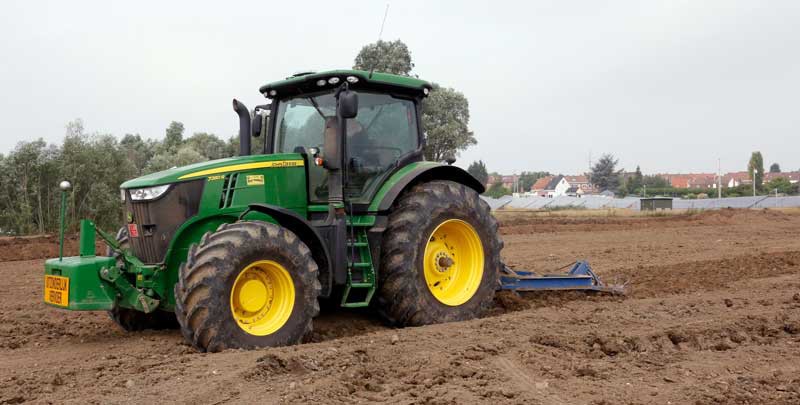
[245, 166]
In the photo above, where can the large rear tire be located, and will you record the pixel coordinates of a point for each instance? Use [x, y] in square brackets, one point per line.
[440, 256]
[247, 285]
[132, 320]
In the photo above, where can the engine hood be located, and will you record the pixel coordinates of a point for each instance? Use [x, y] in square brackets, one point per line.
[215, 167]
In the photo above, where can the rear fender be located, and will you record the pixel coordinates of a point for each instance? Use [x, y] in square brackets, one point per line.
[417, 173]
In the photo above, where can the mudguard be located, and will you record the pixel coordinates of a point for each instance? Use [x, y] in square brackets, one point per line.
[305, 231]
[416, 173]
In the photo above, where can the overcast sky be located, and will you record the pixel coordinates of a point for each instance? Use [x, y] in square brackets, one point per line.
[671, 86]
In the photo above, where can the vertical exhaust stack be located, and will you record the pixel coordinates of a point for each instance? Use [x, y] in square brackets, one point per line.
[244, 127]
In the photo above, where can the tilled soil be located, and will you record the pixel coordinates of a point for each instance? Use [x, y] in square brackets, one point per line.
[713, 316]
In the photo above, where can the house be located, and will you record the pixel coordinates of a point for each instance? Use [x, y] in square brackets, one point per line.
[540, 185]
[736, 179]
[581, 185]
[556, 187]
[704, 181]
[574, 191]
[793, 177]
[691, 180]
[510, 182]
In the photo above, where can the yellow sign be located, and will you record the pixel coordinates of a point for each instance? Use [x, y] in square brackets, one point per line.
[56, 290]
[255, 180]
[245, 166]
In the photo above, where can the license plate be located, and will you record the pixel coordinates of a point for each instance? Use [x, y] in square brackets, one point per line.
[56, 290]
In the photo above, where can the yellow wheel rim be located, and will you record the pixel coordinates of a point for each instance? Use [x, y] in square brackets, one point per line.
[453, 262]
[262, 298]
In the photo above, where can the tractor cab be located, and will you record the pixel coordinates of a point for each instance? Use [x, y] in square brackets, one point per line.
[384, 133]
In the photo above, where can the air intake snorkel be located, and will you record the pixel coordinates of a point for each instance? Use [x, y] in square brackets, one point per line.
[244, 127]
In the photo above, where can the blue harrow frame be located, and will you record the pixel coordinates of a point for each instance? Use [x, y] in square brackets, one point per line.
[580, 277]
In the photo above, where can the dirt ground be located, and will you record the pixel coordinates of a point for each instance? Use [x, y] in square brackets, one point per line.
[712, 317]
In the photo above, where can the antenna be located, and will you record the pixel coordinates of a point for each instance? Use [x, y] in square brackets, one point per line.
[380, 34]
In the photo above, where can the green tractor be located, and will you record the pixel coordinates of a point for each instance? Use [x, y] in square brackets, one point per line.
[339, 205]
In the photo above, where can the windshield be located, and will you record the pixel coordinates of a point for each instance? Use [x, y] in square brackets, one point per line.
[301, 121]
[384, 131]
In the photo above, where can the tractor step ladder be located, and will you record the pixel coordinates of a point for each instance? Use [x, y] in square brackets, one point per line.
[360, 270]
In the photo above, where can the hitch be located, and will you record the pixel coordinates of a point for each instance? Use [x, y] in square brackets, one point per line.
[580, 277]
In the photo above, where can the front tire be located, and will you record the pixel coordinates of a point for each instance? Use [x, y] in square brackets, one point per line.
[247, 285]
[440, 256]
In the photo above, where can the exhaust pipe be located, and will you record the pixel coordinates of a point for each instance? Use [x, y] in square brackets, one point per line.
[244, 127]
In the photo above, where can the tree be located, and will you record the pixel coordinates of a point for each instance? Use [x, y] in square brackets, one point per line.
[604, 174]
[184, 156]
[783, 185]
[445, 112]
[755, 168]
[478, 171]
[527, 179]
[775, 168]
[445, 120]
[634, 182]
[497, 190]
[174, 136]
[208, 145]
[385, 56]
[654, 181]
[138, 150]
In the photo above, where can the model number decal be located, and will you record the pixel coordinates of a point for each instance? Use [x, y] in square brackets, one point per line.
[217, 177]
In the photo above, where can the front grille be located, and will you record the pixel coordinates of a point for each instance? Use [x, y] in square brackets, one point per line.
[157, 220]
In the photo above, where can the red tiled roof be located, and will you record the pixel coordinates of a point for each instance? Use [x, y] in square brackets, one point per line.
[576, 179]
[791, 176]
[541, 184]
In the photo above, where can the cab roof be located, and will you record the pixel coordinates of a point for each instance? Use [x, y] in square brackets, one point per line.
[309, 82]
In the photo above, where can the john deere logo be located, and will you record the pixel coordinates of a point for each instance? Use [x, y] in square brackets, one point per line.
[129, 217]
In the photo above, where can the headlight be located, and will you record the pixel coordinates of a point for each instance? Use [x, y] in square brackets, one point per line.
[149, 193]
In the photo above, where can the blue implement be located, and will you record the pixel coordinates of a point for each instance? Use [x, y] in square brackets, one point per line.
[580, 277]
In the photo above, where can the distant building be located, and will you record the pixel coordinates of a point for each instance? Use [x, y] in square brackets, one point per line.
[691, 180]
[580, 184]
[736, 179]
[508, 181]
[793, 177]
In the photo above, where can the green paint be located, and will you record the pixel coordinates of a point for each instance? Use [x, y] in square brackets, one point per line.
[87, 291]
[394, 179]
[174, 175]
[380, 79]
[86, 246]
[361, 274]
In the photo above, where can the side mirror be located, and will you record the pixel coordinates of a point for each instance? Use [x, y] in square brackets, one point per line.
[348, 104]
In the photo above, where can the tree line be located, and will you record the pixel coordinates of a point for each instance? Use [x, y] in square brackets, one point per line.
[97, 163]
[605, 175]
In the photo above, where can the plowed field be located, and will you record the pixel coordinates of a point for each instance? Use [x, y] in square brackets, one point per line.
[713, 316]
